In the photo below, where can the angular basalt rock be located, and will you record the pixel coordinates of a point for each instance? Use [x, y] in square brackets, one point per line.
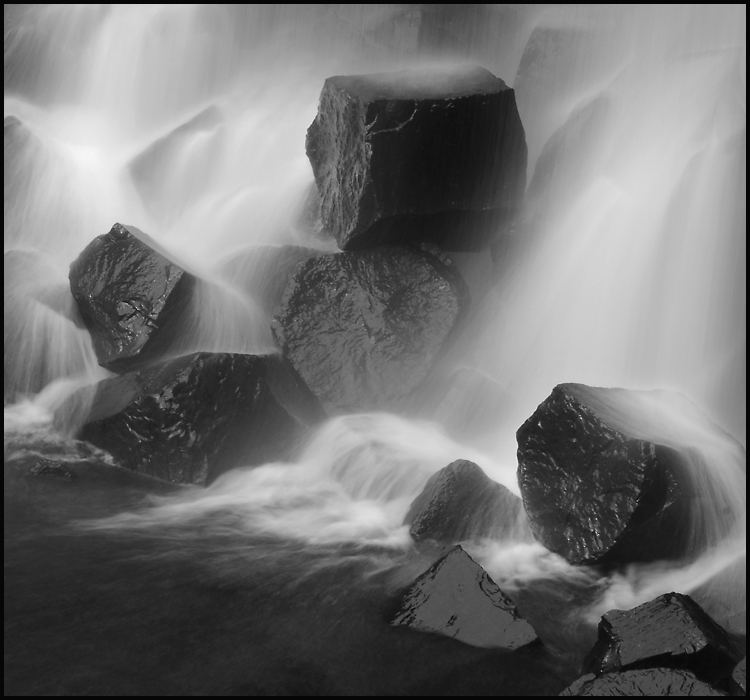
[669, 631]
[457, 598]
[264, 272]
[420, 153]
[188, 420]
[597, 484]
[363, 329]
[131, 297]
[653, 682]
[461, 502]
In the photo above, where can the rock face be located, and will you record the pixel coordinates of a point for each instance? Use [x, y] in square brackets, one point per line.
[671, 630]
[594, 491]
[416, 153]
[187, 420]
[457, 598]
[363, 329]
[461, 502]
[130, 296]
[651, 681]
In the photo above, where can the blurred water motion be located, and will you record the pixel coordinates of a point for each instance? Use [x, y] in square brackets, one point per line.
[188, 121]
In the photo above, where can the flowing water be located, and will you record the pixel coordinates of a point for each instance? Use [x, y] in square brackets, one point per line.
[188, 122]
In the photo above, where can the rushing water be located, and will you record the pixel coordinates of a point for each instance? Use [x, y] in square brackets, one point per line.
[188, 121]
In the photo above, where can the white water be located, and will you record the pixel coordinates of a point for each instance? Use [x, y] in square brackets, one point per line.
[635, 276]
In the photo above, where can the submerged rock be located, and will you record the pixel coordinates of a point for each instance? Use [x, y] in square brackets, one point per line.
[363, 329]
[190, 419]
[593, 489]
[176, 169]
[461, 502]
[131, 297]
[457, 598]
[653, 682]
[671, 631]
[428, 153]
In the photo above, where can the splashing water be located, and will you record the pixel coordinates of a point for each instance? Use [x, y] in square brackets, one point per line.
[188, 121]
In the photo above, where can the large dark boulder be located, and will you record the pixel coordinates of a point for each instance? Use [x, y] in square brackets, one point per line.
[457, 598]
[131, 297]
[461, 502]
[598, 483]
[653, 682]
[188, 420]
[363, 329]
[669, 631]
[438, 153]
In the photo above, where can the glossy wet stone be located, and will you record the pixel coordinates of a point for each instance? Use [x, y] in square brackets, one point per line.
[671, 630]
[417, 153]
[190, 419]
[455, 597]
[655, 682]
[594, 491]
[131, 297]
[461, 502]
[363, 329]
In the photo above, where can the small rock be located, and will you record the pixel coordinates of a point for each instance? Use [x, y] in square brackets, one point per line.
[50, 468]
[455, 597]
[671, 630]
[461, 502]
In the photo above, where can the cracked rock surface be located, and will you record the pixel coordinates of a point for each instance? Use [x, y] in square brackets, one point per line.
[363, 329]
[389, 149]
[131, 297]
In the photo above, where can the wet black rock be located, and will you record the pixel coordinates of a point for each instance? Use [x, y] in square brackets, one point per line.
[190, 419]
[457, 598]
[429, 153]
[738, 682]
[131, 297]
[263, 272]
[670, 631]
[653, 682]
[598, 484]
[461, 502]
[363, 329]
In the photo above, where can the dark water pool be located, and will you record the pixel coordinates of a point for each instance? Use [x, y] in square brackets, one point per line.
[205, 609]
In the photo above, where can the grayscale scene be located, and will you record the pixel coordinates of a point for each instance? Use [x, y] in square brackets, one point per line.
[375, 350]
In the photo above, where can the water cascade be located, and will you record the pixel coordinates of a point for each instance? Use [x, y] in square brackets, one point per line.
[625, 268]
